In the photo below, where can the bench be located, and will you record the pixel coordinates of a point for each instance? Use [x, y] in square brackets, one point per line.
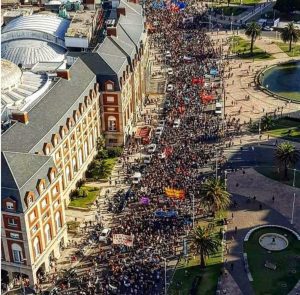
[270, 265]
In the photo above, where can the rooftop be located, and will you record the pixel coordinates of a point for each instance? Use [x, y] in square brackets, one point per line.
[81, 23]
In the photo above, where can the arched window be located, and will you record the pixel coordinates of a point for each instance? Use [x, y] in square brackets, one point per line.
[17, 253]
[48, 234]
[91, 142]
[80, 158]
[86, 151]
[112, 123]
[58, 220]
[36, 247]
[68, 174]
[74, 164]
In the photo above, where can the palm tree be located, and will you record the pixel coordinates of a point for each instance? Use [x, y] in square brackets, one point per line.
[214, 195]
[290, 34]
[204, 243]
[253, 31]
[267, 122]
[286, 155]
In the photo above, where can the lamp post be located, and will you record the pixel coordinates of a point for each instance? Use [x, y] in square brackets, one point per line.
[165, 267]
[294, 198]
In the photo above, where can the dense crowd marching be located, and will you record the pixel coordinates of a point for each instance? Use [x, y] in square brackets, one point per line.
[195, 144]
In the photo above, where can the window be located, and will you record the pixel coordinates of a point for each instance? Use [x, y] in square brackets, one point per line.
[110, 99]
[17, 253]
[29, 200]
[58, 220]
[74, 164]
[80, 158]
[42, 187]
[57, 156]
[113, 140]
[32, 216]
[112, 123]
[44, 203]
[56, 204]
[48, 234]
[14, 236]
[91, 142]
[47, 150]
[34, 229]
[12, 222]
[86, 152]
[52, 176]
[9, 205]
[54, 191]
[68, 174]
[109, 86]
[36, 247]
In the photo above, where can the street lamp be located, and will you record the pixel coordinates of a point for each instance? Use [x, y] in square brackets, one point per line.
[294, 198]
[165, 266]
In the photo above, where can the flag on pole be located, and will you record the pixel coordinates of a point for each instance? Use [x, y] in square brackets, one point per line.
[175, 193]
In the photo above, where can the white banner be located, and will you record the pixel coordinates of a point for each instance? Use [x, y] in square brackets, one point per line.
[120, 239]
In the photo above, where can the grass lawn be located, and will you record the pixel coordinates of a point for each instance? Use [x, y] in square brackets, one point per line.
[242, 46]
[286, 128]
[287, 273]
[271, 172]
[245, 2]
[230, 10]
[73, 225]
[285, 48]
[92, 194]
[208, 276]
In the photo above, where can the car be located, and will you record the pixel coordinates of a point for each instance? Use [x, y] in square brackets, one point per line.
[147, 159]
[159, 131]
[104, 235]
[170, 87]
[168, 54]
[161, 123]
[151, 148]
[170, 71]
[176, 123]
[267, 28]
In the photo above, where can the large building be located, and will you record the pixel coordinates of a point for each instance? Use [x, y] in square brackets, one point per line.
[44, 154]
[121, 65]
[50, 143]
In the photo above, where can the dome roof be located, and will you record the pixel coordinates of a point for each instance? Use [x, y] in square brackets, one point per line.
[29, 52]
[49, 24]
[10, 75]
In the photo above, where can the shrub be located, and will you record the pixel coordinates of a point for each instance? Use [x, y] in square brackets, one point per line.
[115, 152]
[103, 154]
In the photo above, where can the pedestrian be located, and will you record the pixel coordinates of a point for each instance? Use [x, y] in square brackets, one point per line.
[231, 266]
[235, 230]
[260, 206]
[273, 199]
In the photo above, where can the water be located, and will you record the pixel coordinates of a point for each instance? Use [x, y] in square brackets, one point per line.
[283, 80]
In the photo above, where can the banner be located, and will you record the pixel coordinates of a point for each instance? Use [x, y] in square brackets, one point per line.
[120, 239]
[144, 201]
[175, 193]
[213, 72]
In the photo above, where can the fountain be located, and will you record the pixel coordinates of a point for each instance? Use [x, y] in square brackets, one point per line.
[273, 242]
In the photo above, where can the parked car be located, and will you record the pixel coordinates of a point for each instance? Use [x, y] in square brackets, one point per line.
[161, 123]
[170, 87]
[104, 235]
[147, 159]
[176, 123]
[267, 28]
[151, 148]
[159, 131]
[168, 54]
[170, 71]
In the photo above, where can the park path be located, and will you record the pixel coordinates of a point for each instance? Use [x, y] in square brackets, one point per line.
[249, 215]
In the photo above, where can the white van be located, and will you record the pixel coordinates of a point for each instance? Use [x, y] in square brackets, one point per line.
[136, 178]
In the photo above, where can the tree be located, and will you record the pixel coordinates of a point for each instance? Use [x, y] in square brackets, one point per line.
[253, 31]
[286, 155]
[267, 122]
[290, 34]
[204, 243]
[287, 6]
[214, 195]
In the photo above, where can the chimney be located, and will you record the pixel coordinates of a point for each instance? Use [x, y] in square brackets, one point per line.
[112, 31]
[65, 74]
[121, 10]
[21, 117]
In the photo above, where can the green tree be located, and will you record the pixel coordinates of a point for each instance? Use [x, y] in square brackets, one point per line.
[287, 6]
[267, 122]
[286, 155]
[204, 243]
[253, 31]
[214, 195]
[290, 34]
[104, 169]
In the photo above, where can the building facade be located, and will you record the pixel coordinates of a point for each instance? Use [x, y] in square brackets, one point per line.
[63, 127]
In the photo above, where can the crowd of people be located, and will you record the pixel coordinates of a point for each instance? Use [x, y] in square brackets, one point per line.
[196, 143]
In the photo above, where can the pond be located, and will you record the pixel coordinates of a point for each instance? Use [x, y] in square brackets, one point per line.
[283, 80]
